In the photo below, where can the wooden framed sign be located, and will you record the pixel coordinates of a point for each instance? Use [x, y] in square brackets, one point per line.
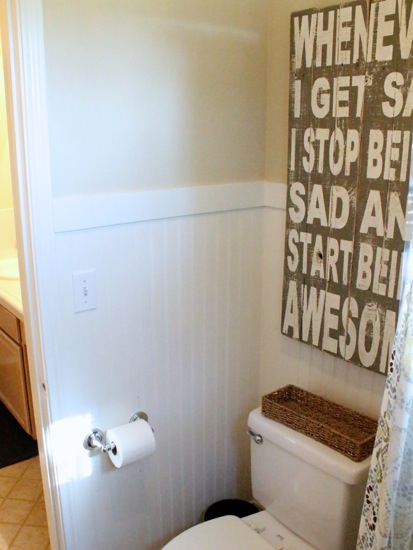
[351, 106]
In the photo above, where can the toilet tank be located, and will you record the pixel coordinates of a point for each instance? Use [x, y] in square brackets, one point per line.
[313, 490]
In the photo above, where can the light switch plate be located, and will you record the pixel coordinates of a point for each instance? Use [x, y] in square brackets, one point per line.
[84, 290]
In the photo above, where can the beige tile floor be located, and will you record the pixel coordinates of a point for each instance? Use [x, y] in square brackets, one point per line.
[23, 521]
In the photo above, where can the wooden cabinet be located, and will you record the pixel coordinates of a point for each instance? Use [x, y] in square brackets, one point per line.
[14, 376]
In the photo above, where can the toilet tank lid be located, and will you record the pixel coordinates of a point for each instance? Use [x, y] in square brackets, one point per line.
[225, 533]
[309, 450]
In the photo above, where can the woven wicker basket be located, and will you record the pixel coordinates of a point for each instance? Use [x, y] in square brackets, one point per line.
[344, 430]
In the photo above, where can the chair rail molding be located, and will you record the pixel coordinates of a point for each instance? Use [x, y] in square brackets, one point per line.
[90, 211]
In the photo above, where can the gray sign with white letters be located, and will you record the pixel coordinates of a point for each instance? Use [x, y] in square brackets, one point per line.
[351, 105]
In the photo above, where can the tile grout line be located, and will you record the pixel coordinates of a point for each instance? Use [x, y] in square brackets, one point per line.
[17, 474]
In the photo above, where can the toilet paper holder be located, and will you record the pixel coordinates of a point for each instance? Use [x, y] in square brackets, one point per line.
[96, 438]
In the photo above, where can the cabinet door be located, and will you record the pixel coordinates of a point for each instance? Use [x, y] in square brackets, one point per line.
[12, 381]
[10, 324]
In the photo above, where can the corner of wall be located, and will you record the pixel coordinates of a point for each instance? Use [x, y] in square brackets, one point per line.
[7, 229]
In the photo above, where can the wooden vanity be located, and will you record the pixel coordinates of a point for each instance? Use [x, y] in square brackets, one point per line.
[14, 374]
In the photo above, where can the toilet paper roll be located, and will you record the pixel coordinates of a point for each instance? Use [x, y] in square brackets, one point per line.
[132, 441]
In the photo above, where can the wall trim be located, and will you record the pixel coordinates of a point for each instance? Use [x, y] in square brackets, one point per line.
[25, 86]
[275, 195]
[87, 212]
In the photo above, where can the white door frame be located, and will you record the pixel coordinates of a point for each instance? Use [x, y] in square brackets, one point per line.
[24, 64]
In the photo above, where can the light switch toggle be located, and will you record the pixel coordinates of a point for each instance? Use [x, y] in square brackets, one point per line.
[84, 290]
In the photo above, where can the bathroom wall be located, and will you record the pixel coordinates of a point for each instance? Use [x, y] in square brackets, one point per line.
[283, 360]
[6, 200]
[187, 323]
[7, 231]
[147, 94]
[176, 334]
[154, 96]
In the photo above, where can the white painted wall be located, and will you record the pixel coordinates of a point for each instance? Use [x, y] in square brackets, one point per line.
[187, 328]
[176, 334]
[187, 322]
[147, 94]
[6, 199]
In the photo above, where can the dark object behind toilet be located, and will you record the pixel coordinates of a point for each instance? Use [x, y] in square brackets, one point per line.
[230, 507]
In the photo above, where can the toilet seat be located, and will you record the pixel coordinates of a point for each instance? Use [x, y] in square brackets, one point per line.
[225, 533]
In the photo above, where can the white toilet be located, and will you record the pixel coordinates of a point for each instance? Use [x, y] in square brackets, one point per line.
[312, 497]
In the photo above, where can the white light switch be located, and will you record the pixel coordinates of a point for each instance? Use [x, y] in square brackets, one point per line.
[84, 290]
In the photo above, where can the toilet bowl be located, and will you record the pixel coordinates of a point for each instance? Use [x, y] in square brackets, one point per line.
[226, 533]
[312, 497]
[259, 531]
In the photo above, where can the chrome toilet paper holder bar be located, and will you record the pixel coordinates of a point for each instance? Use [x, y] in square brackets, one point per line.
[96, 438]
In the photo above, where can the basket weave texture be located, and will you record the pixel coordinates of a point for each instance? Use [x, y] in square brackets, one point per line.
[344, 430]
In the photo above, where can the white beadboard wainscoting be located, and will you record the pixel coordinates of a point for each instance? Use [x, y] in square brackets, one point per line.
[187, 328]
[176, 334]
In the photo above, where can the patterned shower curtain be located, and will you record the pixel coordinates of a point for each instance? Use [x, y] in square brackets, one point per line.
[387, 518]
